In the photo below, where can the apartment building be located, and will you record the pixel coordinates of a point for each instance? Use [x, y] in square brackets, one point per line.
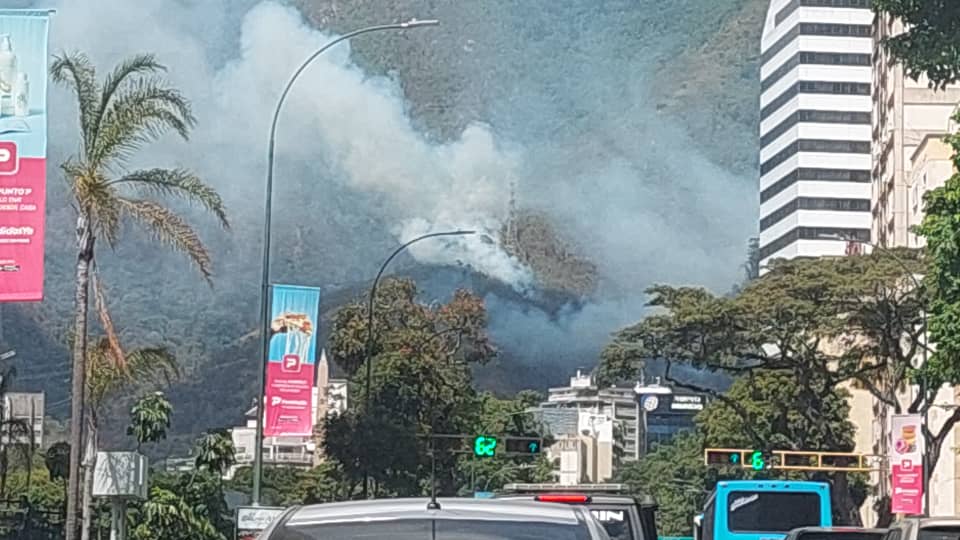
[814, 127]
[909, 122]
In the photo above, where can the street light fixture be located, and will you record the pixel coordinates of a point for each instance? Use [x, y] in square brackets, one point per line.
[368, 356]
[268, 209]
[923, 314]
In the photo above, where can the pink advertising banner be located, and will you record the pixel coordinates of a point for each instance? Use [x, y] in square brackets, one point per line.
[23, 152]
[907, 464]
[291, 370]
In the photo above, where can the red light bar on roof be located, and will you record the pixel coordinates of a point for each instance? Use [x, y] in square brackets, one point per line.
[568, 498]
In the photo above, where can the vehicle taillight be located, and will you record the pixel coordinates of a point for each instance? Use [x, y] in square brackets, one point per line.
[563, 498]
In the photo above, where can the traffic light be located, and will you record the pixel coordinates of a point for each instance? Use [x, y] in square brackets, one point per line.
[523, 445]
[733, 458]
[484, 446]
[757, 462]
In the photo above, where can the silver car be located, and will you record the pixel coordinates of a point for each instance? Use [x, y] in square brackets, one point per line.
[925, 528]
[418, 519]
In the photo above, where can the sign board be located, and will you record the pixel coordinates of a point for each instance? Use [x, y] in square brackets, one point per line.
[291, 372]
[23, 152]
[686, 403]
[252, 520]
[907, 464]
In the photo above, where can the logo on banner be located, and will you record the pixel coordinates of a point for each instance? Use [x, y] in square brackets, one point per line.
[9, 162]
[291, 363]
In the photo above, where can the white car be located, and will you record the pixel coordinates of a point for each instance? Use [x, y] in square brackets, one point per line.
[448, 519]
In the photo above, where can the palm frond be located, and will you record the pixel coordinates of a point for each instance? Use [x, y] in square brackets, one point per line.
[140, 112]
[170, 229]
[115, 350]
[138, 64]
[155, 366]
[77, 71]
[178, 182]
[94, 196]
[145, 367]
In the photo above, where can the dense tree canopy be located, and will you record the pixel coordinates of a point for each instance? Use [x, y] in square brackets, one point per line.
[422, 384]
[931, 43]
[824, 322]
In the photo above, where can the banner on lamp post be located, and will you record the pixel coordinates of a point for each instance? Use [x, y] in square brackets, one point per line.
[291, 373]
[23, 152]
[907, 464]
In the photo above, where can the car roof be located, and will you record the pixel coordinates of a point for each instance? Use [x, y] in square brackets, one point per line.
[595, 498]
[934, 521]
[839, 530]
[457, 509]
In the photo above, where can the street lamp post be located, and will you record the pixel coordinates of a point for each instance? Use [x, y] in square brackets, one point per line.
[923, 314]
[368, 354]
[268, 208]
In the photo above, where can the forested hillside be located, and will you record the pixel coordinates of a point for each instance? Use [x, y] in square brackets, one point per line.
[635, 121]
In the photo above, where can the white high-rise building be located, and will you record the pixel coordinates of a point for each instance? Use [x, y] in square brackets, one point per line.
[815, 128]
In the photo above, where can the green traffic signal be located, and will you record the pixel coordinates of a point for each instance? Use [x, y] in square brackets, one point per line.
[484, 446]
[735, 459]
[757, 461]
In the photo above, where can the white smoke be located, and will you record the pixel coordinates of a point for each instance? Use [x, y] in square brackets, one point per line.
[351, 123]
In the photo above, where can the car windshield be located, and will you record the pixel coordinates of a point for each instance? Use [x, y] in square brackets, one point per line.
[769, 511]
[441, 529]
[939, 533]
[616, 521]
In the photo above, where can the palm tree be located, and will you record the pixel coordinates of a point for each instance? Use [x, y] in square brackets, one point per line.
[132, 106]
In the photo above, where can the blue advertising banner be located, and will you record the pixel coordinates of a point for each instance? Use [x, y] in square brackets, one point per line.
[291, 369]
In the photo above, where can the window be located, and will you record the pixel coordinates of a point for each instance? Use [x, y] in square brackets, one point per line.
[616, 521]
[709, 515]
[817, 58]
[939, 533]
[771, 511]
[816, 29]
[446, 529]
[794, 4]
[814, 117]
[815, 87]
[814, 145]
[812, 233]
[814, 203]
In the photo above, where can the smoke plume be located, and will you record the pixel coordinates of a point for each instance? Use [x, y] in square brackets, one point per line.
[553, 102]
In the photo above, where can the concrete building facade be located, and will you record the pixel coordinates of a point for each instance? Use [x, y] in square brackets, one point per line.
[814, 126]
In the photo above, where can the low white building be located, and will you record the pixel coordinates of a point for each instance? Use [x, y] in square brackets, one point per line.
[27, 407]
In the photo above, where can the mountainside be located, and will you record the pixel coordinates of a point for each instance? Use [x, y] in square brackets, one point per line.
[634, 123]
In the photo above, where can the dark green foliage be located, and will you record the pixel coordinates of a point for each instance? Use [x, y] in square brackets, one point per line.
[931, 44]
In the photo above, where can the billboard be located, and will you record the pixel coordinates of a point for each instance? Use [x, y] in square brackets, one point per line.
[23, 152]
[907, 464]
[291, 364]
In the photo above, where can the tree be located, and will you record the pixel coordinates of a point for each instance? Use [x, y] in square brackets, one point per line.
[150, 419]
[930, 45]
[825, 322]
[166, 516]
[505, 418]
[675, 476]
[13, 433]
[132, 106]
[214, 451]
[148, 367]
[422, 360]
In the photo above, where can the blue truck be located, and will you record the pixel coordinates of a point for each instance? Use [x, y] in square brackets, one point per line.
[762, 509]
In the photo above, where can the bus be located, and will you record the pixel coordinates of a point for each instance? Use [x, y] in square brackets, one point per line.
[762, 509]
